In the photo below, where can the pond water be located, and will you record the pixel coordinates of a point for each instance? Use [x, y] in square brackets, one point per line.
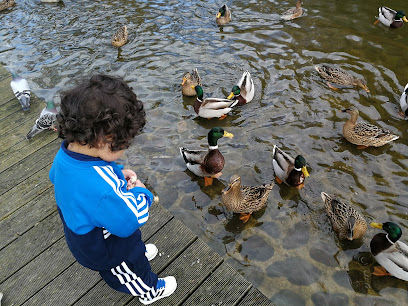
[288, 250]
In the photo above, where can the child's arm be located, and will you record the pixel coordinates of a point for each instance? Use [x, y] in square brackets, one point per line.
[121, 213]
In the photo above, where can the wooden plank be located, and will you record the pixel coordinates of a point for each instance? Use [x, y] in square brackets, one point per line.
[190, 269]
[24, 192]
[255, 297]
[158, 216]
[67, 287]
[37, 273]
[102, 294]
[4, 73]
[14, 128]
[27, 247]
[7, 93]
[16, 224]
[28, 166]
[22, 148]
[8, 108]
[223, 287]
[171, 240]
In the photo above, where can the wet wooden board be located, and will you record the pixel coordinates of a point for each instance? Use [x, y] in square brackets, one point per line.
[23, 219]
[255, 297]
[25, 249]
[18, 172]
[223, 287]
[24, 192]
[190, 269]
[176, 238]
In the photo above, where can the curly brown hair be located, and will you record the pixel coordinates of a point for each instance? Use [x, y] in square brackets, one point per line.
[101, 108]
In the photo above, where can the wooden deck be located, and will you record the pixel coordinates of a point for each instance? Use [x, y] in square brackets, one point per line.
[36, 266]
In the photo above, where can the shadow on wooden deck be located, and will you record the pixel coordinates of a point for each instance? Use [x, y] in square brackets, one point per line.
[36, 266]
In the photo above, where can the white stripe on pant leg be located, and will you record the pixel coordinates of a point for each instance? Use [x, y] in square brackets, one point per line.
[145, 287]
[126, 275]
[128, 283]
[121, 280]
[131, 289]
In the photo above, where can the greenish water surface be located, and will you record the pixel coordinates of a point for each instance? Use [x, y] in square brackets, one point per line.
[288, 250]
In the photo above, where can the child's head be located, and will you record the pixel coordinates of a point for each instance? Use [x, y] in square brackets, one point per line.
[102, 109]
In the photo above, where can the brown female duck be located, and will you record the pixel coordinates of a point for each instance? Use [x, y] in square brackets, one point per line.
[190, 81]
[340, 76]
[347, 222]
[245, 199]
[363, 134]
[120, 37]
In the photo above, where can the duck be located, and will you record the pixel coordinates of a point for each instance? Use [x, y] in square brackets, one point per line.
[390, 253]
[244, 91]
[245, 199]
[223, 16]
[211, 107]
[189, 80]
[290, 171]
[363, 134]
[293, 13]
[337, 75]
[120, 37]
[391, 18]
[21, 90]
[46, 120]
[347, 222]
[5, 4]
[404, 101]
[207, 164]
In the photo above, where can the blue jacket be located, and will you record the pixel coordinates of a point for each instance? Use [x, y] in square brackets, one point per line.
[101, 218]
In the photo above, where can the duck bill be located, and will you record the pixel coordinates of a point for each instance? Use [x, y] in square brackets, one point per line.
[305, 172]
[376, 225]
[230, 95]
[350, 235]
[218, 15]
[229, 135]
[184, 80]
[366, 88]
[405, 19]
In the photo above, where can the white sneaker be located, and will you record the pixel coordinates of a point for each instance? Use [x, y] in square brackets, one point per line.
[151, 251]
[165, 287]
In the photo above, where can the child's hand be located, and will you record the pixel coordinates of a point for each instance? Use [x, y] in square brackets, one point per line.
[130, 177]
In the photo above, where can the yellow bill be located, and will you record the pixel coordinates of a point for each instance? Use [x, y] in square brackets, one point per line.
[229, 135]
[304, 170]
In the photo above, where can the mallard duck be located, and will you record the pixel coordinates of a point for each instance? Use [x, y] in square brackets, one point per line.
[404, 101]
[211, 107]
[347, 222]
[340, 76]
[390, 253]
[391, 18]
[244, 91]
[245, 199]
[223, 16]
[5, 4]
[288, 170]
[120, 37]
[363, 134]
[293, 12]
[46, 120]
[207, 164]
[190, 80]
[21, 90]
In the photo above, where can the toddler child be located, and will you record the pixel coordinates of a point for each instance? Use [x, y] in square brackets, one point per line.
[101, 218]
